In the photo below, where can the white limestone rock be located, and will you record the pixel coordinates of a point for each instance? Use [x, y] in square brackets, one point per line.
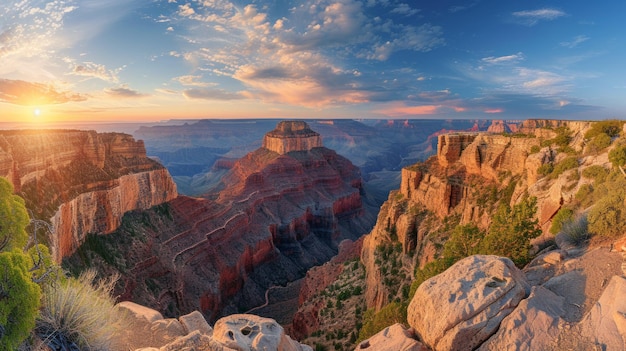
[462, 307]
[393, 338]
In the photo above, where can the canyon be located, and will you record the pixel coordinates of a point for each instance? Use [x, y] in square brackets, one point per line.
[81, 181]
[273, 217]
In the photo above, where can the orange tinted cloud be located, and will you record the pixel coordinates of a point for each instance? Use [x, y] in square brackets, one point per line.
[410, 110]
[494, 110]
[20, 92]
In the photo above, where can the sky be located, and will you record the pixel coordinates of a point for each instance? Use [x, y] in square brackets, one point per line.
[150, 60]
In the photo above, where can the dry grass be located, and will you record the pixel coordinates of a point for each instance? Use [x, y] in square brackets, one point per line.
[82, 311]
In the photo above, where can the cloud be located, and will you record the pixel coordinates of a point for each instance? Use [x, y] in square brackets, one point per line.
[94, 70]
[124, 92]
[192, 80]
[504, 59]
[186, 10]
[405, 10]
[575, 42]
[20, 92]
[421, 39]
[532, 17]
[212, 94]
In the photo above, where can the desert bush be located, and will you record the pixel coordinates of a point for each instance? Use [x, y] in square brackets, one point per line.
[564, 165]
[608, 216]
[595, 172]
[564, 215]
[545, 169]
[82, 311]
[535, 149]
[373, 322]
[13, 218]
[598, 143]
[617, 156]
[19, 299]
[611, 128]
[511, 230]
[575, 230]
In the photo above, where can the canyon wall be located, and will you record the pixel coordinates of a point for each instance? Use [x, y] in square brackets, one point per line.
[81, 181]
[275, 217]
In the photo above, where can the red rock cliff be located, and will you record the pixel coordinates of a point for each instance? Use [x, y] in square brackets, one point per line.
[82, 181]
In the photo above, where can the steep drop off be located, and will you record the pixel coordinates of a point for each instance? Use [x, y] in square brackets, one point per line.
[276, 216]
[81, 181]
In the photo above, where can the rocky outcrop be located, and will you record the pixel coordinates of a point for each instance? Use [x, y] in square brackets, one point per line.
[147, 330]
[462, 307]
[450, 146]
[606, 322]
[533, 325]
[392, 338]
[81, 181]
[290, 136]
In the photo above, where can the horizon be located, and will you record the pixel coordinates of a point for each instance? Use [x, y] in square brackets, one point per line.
[147, 61]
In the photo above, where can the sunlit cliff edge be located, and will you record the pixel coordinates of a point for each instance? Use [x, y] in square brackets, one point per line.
[81, 181]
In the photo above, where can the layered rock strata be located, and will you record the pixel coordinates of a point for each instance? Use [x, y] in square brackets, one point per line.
[291, 136]
[277, 216]
[82, 181]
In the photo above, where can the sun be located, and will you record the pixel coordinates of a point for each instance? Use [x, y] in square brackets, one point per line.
[36, 112]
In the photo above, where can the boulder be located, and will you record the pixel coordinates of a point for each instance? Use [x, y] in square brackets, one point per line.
[139, 311]
[195, 321]
[393, 338]
[195, 341]
[606, 322]
[533, 325]
[246, 332]
[462, 307]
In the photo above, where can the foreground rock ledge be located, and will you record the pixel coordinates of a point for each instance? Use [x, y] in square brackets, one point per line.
[462, 307]
[149, 331]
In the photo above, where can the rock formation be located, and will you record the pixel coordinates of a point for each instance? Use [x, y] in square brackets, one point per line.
[276, 216]
[81, 181]
[147, 330]
[462, 307]
[392, 338]
[291, 136]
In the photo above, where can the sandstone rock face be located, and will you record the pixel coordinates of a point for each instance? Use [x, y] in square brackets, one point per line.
[450, 147]
[101, 211]
[291, 136]
[392, 338]
[82, 181]
[533, 325]
[252, 333]
[462, 307]
[606, 322]
[275, 217]
[148, 331]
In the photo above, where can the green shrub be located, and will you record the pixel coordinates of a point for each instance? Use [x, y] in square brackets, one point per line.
[564, 215]
[598, 143]
[535, 149]
[373, 322]
[617, 156]
[608, 216]
[464, 241]
[563, 136]
[611, 128]
[566, 164]
[13, 218]
[19, 299]
[545, 169]
[511, 230]
[82, 310]
[575, 231]
[595, 172]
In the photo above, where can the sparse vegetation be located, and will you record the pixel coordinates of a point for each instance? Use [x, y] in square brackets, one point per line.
[595, 172]
[617, 156]
[611, 128]
[575, 230]
[564, 215]
[82, 310]
[599, 143]
[511, 231]
[373, 322]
